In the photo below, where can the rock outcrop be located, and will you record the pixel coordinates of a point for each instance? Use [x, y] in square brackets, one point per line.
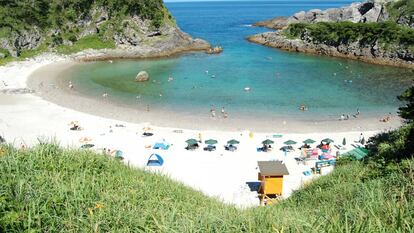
[133, 36]
[372, 11]
[142, 76]
[371, 53]
[360, 12]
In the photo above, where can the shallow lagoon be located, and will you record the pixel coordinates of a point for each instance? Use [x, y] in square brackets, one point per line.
[280, 81]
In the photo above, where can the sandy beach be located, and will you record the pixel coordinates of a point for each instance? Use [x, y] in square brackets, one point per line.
[45, 115]
[50, 83]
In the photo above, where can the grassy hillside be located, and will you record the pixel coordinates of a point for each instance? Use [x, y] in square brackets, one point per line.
[50, 189]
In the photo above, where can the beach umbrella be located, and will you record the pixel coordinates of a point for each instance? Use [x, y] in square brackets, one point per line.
[290, 142]
[268, 142]
[191, 141]
[309, 141]
[327, 140]
[344, 141]
[211, 141]
[233, 142]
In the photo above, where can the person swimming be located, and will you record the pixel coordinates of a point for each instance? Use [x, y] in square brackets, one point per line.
[303, 108]
[213, 112]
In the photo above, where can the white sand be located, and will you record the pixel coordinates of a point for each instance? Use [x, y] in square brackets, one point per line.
[24, 118]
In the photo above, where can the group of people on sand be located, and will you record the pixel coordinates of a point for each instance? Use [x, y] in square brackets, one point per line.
[223, 112]
[347, 117]
[71, 87]
[386, 119]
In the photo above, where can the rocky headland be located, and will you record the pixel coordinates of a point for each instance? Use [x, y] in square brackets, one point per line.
[299, 33]
[123, 32]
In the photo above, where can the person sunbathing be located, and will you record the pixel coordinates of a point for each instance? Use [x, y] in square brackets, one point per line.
[385, 119]
[75, 127]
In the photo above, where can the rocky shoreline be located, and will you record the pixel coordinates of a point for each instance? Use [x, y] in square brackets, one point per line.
[136, 38]
[366, 12]
[371, 54]
[164, 48]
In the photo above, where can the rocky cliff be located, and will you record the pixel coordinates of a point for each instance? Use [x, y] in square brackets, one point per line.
[359, 12]
[377, 35]
[124, 32]
[373, 53]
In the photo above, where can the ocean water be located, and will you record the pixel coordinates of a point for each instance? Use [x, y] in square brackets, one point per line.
[279, 81]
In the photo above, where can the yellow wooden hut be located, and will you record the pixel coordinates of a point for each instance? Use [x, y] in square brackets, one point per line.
[271, 181]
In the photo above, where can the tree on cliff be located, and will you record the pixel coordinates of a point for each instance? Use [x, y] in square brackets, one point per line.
[407, 111]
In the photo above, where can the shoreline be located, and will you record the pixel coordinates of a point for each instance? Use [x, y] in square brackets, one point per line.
[27, 118]
[91, 55]
[49, 75]
[275, 40]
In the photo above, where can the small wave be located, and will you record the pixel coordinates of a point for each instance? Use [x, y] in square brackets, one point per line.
[247, 25]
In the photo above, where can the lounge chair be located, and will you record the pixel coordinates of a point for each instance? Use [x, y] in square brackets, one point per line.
[192, 147]
[231, 148]
[147, 134]
[210, 148]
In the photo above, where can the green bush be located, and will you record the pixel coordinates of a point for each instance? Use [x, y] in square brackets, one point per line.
[337, 33]
[401, 8]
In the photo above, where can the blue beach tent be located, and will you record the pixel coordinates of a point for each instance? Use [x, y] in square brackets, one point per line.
[161, 146]
[155, 161]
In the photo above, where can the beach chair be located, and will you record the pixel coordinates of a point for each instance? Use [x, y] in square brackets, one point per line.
[192, 147]
[230, 148]
[210, 148]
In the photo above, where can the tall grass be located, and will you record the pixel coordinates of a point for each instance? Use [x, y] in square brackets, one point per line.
[50, 189]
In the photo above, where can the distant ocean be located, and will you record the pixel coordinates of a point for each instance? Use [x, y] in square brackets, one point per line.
[279, 81]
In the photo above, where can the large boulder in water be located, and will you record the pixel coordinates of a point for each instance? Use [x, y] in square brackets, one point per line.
[142, 76]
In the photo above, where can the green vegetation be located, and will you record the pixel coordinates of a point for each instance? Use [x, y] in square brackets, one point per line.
[89, 42]
[47, 14]
[334, 34]
[50, 189]
[407, 111]
[59, 23]
[402, 8]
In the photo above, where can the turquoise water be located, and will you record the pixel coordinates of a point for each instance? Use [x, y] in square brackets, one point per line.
[280, 81]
